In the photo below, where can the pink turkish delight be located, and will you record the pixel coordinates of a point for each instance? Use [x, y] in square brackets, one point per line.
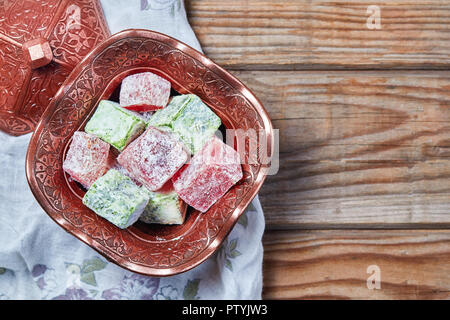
[87, 159]
[210, 174]
[144, 92]
[153, 158]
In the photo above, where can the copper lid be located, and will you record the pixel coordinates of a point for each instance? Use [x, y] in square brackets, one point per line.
[40, 43]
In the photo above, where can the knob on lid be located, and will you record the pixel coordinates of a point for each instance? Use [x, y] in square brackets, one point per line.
[38, 52]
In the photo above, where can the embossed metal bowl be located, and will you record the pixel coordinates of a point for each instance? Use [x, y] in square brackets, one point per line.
[147, 249]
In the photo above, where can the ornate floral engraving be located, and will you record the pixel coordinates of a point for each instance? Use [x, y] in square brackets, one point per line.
[44, 84]
[23, 20]
[13, 74]
[77, 31]
[13, 124]
[24, 93]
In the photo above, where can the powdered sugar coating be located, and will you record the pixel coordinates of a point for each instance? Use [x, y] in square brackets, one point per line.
[166, 116]
[164, 206]
[114, 124]
[210, 174]
[116, 198]
[125, 172]
[86, 159]
[146, 90]
[196, 124]
[191, 120]
[153, 158]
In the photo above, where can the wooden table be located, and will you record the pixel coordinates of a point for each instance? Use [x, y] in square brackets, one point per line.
[364, 120]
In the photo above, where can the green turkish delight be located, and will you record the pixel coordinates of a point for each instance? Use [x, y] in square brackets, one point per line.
[164, 207]
[116, 198]
[114, 125]
[166, 116]
[192, 121]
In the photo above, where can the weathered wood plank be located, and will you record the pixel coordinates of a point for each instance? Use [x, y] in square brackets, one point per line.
[413, 264]
[304, 34]
[358, 149]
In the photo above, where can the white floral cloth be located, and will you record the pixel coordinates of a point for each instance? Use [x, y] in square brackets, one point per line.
[39, 260]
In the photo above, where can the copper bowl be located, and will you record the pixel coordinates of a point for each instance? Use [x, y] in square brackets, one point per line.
[153, 250]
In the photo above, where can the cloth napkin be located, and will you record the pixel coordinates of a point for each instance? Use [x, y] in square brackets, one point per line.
[39, 260]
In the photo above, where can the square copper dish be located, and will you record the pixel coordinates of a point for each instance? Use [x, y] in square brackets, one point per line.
[147, 249]
[40, 43]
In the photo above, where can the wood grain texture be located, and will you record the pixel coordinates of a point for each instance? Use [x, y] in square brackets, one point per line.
[305, 34]
[357, 149]
[414, 264]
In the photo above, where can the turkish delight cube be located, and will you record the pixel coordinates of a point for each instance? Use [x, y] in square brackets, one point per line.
[164, 206]
[164, 118]
[116, 198]
[190, 119]
[114, 124]
[196, 124]
[87, 158]
[209, 175]
[144, 91]
[153, 158]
